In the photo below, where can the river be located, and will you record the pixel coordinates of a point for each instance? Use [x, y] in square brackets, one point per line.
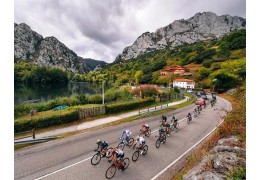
[26, 93]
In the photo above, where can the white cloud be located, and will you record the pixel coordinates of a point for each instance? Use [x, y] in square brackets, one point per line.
[101, 29]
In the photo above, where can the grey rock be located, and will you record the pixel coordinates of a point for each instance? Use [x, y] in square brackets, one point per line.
[239, 151]
[200, 27]
[210, 176]
[225, 141]
[47, 52]
[26, 42]
[223, 162]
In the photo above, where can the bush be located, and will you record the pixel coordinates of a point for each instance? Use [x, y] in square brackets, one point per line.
[120, 107]
[95, 99]
[29, 123]
[145, 91]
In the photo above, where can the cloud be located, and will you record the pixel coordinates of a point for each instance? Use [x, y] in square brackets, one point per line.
[101, 29]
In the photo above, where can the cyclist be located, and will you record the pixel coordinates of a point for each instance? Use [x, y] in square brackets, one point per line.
[174, 121]
[127, 134]
[189, 116]
[141, 143]
[102, 147]
[144, 128]
[165, 124]
[117, 157]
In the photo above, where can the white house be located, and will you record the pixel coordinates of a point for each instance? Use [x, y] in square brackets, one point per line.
[184, 83]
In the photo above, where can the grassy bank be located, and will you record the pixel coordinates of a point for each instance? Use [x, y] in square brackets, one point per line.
[234, 125]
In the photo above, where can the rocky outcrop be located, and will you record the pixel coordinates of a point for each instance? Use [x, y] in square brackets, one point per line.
[46, 52]
[26, 42]
[200, 27]
[226, 156]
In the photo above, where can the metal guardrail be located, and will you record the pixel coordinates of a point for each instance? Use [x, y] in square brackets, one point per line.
[25, 132]
[152, 109]
[36, 140]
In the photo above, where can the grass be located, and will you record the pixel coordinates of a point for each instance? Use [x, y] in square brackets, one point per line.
[234, 125]
[59, 112]
[129, 119]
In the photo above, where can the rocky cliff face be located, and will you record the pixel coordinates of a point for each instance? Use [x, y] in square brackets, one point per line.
[220, 161]
[200, 27]
[48, 52]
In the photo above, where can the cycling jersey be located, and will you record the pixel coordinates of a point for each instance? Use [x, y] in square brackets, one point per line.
[119, 153]
[141, 140]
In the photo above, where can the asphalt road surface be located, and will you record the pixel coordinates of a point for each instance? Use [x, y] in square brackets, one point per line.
[69, 158]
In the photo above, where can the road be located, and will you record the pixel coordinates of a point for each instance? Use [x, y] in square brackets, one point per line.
[69, 158]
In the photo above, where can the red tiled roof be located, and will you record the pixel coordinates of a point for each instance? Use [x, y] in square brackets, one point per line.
[183, 80]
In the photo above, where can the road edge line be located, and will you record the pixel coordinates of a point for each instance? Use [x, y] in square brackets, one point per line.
[156, 176]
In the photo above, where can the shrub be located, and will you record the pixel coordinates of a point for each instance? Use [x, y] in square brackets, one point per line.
[95, 99]
[145, 91]
[66, 116]
[120, 107]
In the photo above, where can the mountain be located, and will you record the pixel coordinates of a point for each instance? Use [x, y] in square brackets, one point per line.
[47, 52]
[201, 27]
[92, 63]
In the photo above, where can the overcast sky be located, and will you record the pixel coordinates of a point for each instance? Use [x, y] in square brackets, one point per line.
[100, 29]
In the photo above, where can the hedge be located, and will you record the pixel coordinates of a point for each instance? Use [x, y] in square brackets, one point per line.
[115, 108]
[43, 122]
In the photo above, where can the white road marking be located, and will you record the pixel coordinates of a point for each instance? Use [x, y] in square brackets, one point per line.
[83, 161]
[156, 176]
[63, 168]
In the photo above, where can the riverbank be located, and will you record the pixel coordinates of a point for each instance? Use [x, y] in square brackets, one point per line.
[72, 129]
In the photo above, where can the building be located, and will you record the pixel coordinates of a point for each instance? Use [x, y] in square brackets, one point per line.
[184, 83]
[173, 70]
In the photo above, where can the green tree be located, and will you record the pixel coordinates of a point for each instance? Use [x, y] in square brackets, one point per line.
[138, 76]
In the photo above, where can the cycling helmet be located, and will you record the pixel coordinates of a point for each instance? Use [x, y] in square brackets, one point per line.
[98, 141]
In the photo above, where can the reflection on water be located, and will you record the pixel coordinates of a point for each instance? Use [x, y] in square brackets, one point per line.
[25, 93]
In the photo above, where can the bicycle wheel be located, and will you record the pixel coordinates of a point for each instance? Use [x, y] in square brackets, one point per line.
[158, 143]
[148, 133]
[142, 134]
[145, 149]
[126, 162]
[164, 138]
[134, 145]
[188, 121]
[96, 159]
[109, 153]
[111, 171]
[135, 156]
[131, 141]
[121, 145]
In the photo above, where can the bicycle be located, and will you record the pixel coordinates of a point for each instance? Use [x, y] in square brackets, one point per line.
[161, 138]
[174, 126]
[195, 114]
[111, 171]
[137, 152]
[146, 133]
[189, 119]
[124, 143]
[97, 157]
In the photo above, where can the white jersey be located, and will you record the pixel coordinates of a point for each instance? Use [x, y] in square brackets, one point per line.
[141, 140]
[127, 132]
[119, 151]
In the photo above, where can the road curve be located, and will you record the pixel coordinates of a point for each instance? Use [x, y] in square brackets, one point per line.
[69, 158]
